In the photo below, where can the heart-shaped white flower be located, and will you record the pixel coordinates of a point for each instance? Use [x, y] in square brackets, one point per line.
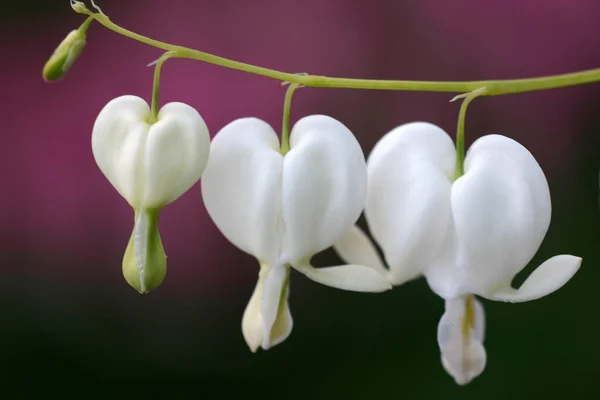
[467, 236]
[284, 209]
[150, 165]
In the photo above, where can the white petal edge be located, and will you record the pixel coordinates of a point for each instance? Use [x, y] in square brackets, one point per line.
[545, 279]
[324, 186]
[408, 208]
[356, 278]
[355, 247]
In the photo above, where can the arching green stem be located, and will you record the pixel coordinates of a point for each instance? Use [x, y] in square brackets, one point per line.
[460, 130]
[495, 87]
[285, 128]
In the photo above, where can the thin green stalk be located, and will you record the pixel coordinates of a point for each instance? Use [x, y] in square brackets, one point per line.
[285, 129]
[460, 130]
[155, 87]
[495, 87]
[86, 24]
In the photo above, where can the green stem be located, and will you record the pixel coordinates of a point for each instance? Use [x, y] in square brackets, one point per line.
[495, 87]
[155, 87]
[86, 24]
[460, 130]
[285, 129]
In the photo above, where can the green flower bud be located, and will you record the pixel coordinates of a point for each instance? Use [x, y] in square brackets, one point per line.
[65, 54]
[145, 261]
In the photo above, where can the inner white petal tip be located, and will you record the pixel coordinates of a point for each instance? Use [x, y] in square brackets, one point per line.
[460, 339]
[470, 364]
[252, 346]
[459, 378]
[252, 329]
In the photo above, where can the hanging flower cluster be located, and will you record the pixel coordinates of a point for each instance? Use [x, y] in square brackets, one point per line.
[466, 224]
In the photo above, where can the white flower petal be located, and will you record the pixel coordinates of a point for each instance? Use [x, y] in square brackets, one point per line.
[252, 326]
[150, 165]
[547, 278]
[324, 186]
[501, 210]
[177, 151]
[241, 187]
[118, 140]
[252, 321]
[358, 278]
[407, 209]
[355, 247]
[460, 338]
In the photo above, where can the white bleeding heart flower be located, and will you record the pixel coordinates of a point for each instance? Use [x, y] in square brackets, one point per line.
[150, 165]
[469, 235]
[283, 209]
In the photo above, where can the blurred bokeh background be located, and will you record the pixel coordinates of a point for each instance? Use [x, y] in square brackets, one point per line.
[69, 323]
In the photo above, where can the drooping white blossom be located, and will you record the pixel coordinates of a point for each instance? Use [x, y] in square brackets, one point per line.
[283, 209]
[466, 236]
[150, 165]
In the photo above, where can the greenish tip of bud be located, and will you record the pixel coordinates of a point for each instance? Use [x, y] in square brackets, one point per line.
[145, 261]
[65, 54]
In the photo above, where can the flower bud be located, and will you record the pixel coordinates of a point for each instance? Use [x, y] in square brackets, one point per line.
[145, 261]
[65, 54]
